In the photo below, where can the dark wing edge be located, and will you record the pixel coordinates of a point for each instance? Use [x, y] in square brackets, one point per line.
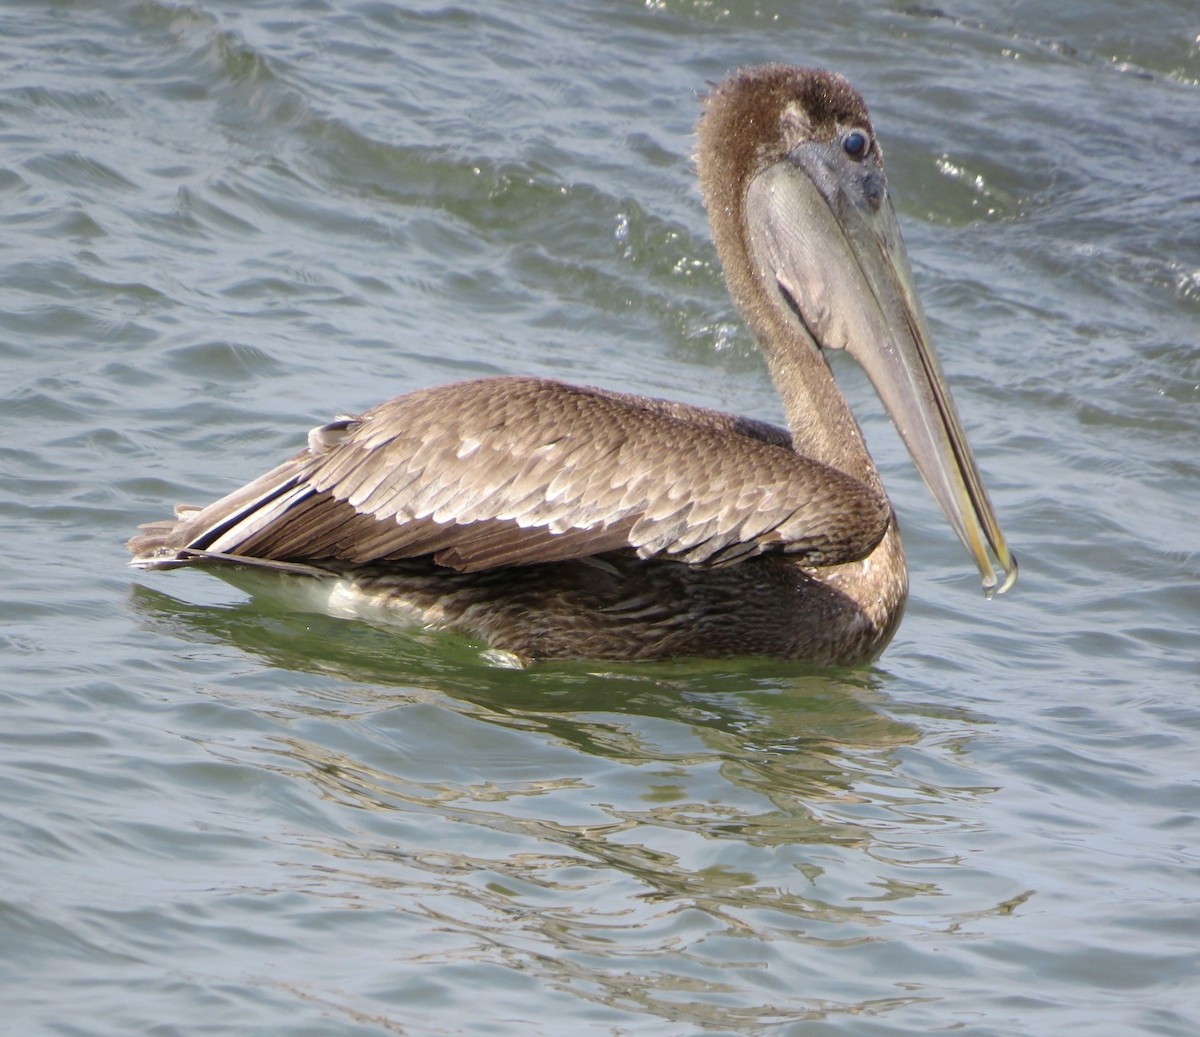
[520, 471]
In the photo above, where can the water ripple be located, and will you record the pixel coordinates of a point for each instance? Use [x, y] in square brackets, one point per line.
[226, 223]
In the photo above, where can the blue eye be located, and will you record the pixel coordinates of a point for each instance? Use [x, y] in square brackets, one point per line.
[856, 144]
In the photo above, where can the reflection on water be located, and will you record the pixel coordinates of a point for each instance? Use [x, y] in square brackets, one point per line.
[660, 838]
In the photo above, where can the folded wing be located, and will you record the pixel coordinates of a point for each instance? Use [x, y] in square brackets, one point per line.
[520, 471]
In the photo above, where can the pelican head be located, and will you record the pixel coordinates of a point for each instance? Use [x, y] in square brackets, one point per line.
[794, 184]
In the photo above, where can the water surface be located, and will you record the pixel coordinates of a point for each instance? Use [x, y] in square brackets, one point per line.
[222, 224]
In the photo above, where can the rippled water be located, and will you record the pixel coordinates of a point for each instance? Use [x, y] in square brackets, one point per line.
[224, 223]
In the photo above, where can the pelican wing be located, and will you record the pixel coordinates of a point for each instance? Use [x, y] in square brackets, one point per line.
[519, 471]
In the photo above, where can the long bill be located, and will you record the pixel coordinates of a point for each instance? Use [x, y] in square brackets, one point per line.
[832, 244]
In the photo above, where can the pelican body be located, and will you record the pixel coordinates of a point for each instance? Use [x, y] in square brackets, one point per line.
[559, 521]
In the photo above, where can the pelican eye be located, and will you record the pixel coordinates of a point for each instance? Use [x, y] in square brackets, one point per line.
[856, 144]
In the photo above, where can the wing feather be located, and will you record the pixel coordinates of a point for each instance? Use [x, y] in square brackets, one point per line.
[518, 471]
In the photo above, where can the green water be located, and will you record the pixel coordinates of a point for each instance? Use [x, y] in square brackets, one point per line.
[222, 224]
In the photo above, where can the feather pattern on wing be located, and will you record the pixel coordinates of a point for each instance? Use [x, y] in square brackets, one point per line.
[518, 471]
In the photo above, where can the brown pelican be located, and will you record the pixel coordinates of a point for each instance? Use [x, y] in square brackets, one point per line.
[556, 521]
